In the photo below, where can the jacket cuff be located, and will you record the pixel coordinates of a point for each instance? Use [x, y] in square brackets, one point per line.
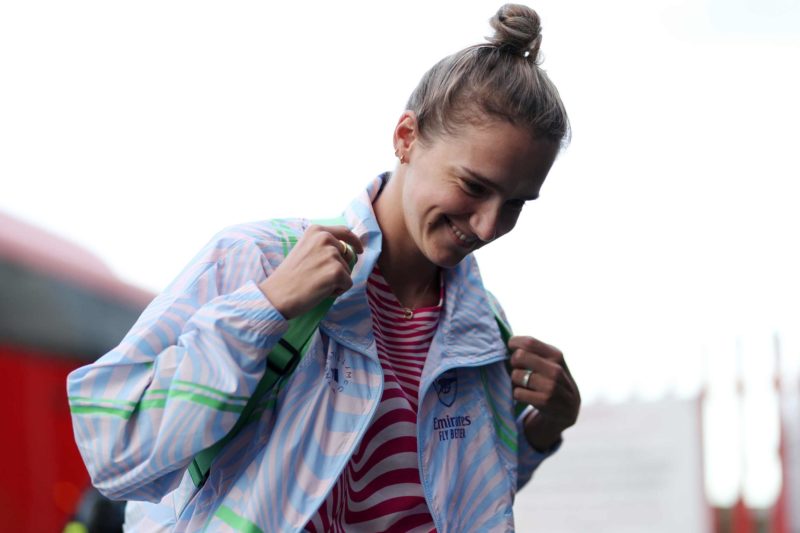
[529, 457]
[241, 324]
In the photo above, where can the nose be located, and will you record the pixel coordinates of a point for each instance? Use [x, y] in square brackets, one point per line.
[484, 222]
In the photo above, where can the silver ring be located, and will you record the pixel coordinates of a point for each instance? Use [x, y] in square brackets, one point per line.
[526, 378]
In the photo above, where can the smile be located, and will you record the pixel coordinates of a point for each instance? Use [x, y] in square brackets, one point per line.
[463, 239]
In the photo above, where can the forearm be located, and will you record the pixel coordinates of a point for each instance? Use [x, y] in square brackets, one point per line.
[139, 418]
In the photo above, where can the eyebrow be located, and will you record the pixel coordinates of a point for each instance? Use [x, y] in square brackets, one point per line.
[486, 182]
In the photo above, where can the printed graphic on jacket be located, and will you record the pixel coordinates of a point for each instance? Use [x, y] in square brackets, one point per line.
[339, 374]
[446, 387]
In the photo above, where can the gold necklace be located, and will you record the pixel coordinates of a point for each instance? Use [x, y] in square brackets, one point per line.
[408, 313]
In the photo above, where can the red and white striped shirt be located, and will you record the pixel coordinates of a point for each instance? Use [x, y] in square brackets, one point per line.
[380, 489]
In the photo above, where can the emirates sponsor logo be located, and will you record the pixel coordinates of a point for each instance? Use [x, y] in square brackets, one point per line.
[451, 427]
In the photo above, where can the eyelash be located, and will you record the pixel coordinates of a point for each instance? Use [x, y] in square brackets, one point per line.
[473, 189]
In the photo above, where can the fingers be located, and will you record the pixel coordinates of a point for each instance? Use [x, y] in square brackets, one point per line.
[537, 362]
[558, 398]
[317, 267]
[547, 374]
[348, 254]
[562, 410]
[341, 233]
[529, 344]
[342, 239]
[539, 383]
[550, 387]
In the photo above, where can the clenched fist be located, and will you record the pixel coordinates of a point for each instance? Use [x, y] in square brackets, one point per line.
[542, 379]
[316, 268]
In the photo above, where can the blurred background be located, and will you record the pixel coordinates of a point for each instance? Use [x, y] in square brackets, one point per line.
[662, 257]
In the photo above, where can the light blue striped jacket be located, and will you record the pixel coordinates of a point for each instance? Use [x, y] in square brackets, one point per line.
[179, 379]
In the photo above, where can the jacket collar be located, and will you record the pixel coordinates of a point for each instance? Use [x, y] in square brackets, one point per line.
[467, 332]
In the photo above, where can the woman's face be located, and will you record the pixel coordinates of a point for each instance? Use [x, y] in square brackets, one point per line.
[462, 192]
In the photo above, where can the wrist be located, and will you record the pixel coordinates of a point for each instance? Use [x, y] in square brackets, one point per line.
[273, 293]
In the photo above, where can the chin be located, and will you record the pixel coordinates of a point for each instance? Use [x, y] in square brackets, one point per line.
[445, 259]
[448, 264]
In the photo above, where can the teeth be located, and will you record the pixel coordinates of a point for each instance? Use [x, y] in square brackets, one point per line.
[463, 238]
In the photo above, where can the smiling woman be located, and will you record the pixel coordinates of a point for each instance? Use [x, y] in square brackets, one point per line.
[461, 191]
[404, 379]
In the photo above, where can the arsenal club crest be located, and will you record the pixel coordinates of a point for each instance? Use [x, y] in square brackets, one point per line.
[446, 386]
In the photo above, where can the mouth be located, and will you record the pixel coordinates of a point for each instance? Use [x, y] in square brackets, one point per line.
[462, 238]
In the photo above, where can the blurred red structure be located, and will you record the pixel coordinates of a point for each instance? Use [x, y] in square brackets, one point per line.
[60, 307]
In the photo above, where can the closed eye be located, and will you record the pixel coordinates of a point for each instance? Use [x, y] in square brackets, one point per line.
[473, 188]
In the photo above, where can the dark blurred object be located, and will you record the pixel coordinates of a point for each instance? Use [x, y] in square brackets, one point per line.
[97, 514]
[57, 296]
[60, 307]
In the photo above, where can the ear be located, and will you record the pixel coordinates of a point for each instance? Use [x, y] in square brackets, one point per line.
[406, 134]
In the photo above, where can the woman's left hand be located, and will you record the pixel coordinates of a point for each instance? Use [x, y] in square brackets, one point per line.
[542, 379]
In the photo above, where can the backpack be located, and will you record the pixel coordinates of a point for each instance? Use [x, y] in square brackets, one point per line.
[291, 348]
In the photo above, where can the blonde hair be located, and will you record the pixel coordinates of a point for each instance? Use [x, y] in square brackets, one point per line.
[499, 79]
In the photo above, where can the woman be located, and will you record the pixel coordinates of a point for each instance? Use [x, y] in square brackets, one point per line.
[400, 415]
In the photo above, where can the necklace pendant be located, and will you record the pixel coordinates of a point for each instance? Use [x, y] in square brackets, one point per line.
[408, 313]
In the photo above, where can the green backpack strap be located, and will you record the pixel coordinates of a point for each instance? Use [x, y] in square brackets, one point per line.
[506, 334]
[281, 361]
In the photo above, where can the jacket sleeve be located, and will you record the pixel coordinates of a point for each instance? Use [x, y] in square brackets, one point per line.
[179, 379]
[528, 458]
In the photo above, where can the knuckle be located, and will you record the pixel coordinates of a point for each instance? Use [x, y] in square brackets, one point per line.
[545, 403]
[344, 282]
[331, 271]
[528, 344]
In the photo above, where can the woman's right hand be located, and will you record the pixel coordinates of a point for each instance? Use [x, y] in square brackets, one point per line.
[312, 271]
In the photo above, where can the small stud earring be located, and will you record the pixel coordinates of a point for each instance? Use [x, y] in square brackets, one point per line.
[401, 157]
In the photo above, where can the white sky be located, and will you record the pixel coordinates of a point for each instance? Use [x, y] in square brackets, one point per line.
[668, 228]
[141, 130]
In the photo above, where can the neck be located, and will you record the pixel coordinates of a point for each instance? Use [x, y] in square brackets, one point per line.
[412, 277]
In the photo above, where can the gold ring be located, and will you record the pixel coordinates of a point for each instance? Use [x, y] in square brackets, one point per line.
[526, 379]
[343, 251]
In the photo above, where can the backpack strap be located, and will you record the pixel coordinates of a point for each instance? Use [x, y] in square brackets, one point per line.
[281, 361]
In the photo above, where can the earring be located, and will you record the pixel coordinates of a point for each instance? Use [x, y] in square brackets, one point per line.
[401, 157]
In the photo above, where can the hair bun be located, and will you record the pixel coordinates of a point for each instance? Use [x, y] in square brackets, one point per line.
[518, 29]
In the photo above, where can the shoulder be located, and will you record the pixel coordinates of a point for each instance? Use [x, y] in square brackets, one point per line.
[240, 252]
[273, 238]
[263, 234]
